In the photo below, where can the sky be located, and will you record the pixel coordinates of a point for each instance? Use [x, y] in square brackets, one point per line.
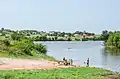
[60, 15]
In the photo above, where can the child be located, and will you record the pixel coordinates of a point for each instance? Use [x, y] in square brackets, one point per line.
[88, 62]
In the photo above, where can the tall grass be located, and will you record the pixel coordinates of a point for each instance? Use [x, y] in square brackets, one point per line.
[23, 49]
[61, 73]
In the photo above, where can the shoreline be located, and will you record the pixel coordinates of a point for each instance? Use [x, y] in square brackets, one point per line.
[30, 64]
[14, 67]
[18, 64]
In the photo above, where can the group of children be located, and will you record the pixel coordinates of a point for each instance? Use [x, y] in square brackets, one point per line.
[70, 62]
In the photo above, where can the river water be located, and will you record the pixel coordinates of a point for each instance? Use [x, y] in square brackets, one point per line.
[79, 51]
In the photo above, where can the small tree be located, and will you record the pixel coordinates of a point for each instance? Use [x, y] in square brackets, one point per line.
[2, 29]
[3, 34]
[16, 36]
[69, 39]
[56, 38]
[6, 42]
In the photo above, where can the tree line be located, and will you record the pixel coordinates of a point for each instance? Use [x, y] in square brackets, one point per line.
[53, 35]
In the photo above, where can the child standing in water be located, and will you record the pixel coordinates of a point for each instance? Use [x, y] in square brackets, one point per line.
[88, 62]
[71, 62]
[63, 58]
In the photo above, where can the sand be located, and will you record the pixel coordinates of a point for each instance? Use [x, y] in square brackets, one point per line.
[16, 64]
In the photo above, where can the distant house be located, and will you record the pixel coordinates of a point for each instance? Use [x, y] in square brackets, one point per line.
[66, 35]
[87, 36]
[76, 35]
[51, 32]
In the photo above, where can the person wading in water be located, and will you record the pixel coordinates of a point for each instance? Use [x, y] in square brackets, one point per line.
[88, 62]
[63, 58]
[71, 62]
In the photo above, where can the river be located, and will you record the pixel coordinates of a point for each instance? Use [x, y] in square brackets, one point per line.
[79, 51]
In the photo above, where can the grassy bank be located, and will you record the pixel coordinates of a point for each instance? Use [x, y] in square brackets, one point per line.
[36, 57]
[60, 73]
[23, 49]
[39, 56]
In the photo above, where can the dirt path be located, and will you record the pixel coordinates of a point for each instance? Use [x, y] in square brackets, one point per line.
[8, 64]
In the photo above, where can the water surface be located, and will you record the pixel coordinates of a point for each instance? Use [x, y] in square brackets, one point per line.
[80, 51]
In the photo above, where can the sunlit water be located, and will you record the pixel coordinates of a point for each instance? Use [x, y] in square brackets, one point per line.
[80, 51]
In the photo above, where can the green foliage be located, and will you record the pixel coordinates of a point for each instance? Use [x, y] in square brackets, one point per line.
[6, 42]
[3, 34]
[40, 48]
[20, 44]
[23, 47]
[41, 38]
[114, 40]
[41, 35]
[56, 38]
[27, 46]
[76, 39]
[2, 29]
[28, 35]
[105, 35]
[60, 73]
[17, 36]
[69, 39]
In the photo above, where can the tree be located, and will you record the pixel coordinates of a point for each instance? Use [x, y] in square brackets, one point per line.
[62, 34]
[3, 34]
[16, 36]
[105, 35]
[44, 38]
[56, 37]
[6, 42]
[69, 39]
[114, 40]
[52, 39]
[110, 40]
[28, 34]
[69, 34]
[105, 32]
[2, 29]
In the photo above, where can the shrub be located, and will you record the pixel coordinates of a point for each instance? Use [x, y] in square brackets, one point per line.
[6, 42]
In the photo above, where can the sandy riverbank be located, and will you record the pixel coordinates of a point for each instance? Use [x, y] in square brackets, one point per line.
[8, 64]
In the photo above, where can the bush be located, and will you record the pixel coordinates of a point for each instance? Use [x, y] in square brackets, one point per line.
[41, 48]
[23, 47]
[27, 46]
[6, 42]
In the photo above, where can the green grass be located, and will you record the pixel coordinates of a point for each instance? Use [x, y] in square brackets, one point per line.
[3, 54]
[36, 57]
[21, 49]
[2, 37]
[60, 73]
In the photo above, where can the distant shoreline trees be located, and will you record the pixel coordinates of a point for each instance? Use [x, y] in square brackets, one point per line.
[49, 36]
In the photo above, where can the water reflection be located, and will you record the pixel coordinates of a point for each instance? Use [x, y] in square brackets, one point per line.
[112, 51]
[111, 59]
[104, 56]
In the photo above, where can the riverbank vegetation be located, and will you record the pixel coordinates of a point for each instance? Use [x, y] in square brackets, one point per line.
[113, 43]
[114, 40]
[55, 35]
[17, 45]
[49, 36]
[60, 73]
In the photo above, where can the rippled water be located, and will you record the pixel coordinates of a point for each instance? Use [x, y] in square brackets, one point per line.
[80, 51]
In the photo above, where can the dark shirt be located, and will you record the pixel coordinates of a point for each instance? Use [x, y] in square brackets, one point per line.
[88, 62]
[64, 59]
